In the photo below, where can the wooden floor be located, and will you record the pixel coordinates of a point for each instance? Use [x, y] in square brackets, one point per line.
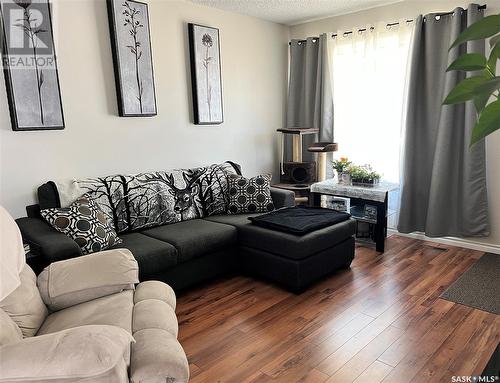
[380, 321]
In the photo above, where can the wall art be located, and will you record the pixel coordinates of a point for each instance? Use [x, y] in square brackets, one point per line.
[132, 57]
[206, 78]
[29, 65]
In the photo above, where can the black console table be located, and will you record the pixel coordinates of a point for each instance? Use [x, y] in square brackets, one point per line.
[375, 196]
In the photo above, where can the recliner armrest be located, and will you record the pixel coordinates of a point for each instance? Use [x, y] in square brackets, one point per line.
[46, 241]
[91, 353]
[73, 281]
[282, 198]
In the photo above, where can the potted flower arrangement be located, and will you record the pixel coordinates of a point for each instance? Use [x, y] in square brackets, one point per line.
[363, 175]
[341, 167]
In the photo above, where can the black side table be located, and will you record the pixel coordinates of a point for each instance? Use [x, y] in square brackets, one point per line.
[360, 195]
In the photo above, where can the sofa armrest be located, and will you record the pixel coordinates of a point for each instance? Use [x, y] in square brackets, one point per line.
[282, 198]
[46, 241]
[87, 353]
[67, 283]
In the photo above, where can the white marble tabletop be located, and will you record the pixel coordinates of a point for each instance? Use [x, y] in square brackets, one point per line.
[372, 193]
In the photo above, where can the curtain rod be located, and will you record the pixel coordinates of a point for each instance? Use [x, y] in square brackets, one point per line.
[481, 7]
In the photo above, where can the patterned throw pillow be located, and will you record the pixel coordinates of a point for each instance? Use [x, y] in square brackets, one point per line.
[85, 223]
[251, 195]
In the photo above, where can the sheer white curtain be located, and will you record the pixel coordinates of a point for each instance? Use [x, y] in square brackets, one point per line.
[369, 75]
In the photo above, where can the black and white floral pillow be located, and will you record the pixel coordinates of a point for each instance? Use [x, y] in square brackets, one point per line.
[85, 223]
[250, 195]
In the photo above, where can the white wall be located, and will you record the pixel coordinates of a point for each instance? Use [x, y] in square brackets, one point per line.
[97, 142]
[405, 10]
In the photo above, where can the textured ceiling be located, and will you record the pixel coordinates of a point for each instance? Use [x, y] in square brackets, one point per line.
[292, 12]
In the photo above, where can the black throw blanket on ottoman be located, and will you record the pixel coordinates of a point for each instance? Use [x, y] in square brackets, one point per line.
[296, 247]
[300, 220]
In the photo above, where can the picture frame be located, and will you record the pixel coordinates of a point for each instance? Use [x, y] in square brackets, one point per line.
[206, 75]
[370, 212]
[30, 66]
[130, 35]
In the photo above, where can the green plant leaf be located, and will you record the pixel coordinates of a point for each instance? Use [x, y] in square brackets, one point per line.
[489, 121]
[480, 102]
[494, 40]
[482, 29]
[491, 65]
[468, 62]
[464, 91]
[495, 50]
[488, 87]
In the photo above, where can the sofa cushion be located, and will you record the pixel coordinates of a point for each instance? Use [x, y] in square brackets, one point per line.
[152, 255]
[294, 246]
[85, 223]
[24, 305]
[84, 354]
[236, 220]
[153, 313]
[155, 290]
[157, 357]
[114, 310]
[72, 281]
[195, 238]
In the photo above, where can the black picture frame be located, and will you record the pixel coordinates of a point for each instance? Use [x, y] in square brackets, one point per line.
[198, 103]
[15, 109]
[370, 211]
[124, 109]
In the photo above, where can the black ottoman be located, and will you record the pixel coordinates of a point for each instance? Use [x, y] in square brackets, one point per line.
[296, 261]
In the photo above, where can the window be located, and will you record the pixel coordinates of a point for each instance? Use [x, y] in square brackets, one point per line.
[369, 74]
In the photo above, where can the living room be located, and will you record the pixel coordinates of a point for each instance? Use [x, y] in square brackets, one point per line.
[291, 191]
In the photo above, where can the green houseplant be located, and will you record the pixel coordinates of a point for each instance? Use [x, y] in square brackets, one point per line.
[480, 87]
[363, 175]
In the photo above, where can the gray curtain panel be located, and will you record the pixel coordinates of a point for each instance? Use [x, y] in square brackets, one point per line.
[310, 99]
[444, 182]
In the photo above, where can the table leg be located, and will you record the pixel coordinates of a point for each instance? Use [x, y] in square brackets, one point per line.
[381, 226]
[315, 199]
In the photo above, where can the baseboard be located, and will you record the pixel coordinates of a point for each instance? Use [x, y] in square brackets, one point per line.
[467, 243]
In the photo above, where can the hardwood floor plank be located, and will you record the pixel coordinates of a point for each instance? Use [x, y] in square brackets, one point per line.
[314, 353]
[419, 327]
[375, 373]
[355, 366]
[381, 320]
[474, 356]
[427, 345]
[436, 368]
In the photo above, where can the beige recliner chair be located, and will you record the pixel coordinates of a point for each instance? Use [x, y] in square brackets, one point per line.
[82, 320]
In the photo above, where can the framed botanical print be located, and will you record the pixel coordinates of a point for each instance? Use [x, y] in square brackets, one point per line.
[30, 66]
[206, 78]
[132, 58]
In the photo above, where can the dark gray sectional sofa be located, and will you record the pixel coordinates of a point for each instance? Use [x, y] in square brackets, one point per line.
[186, 253]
